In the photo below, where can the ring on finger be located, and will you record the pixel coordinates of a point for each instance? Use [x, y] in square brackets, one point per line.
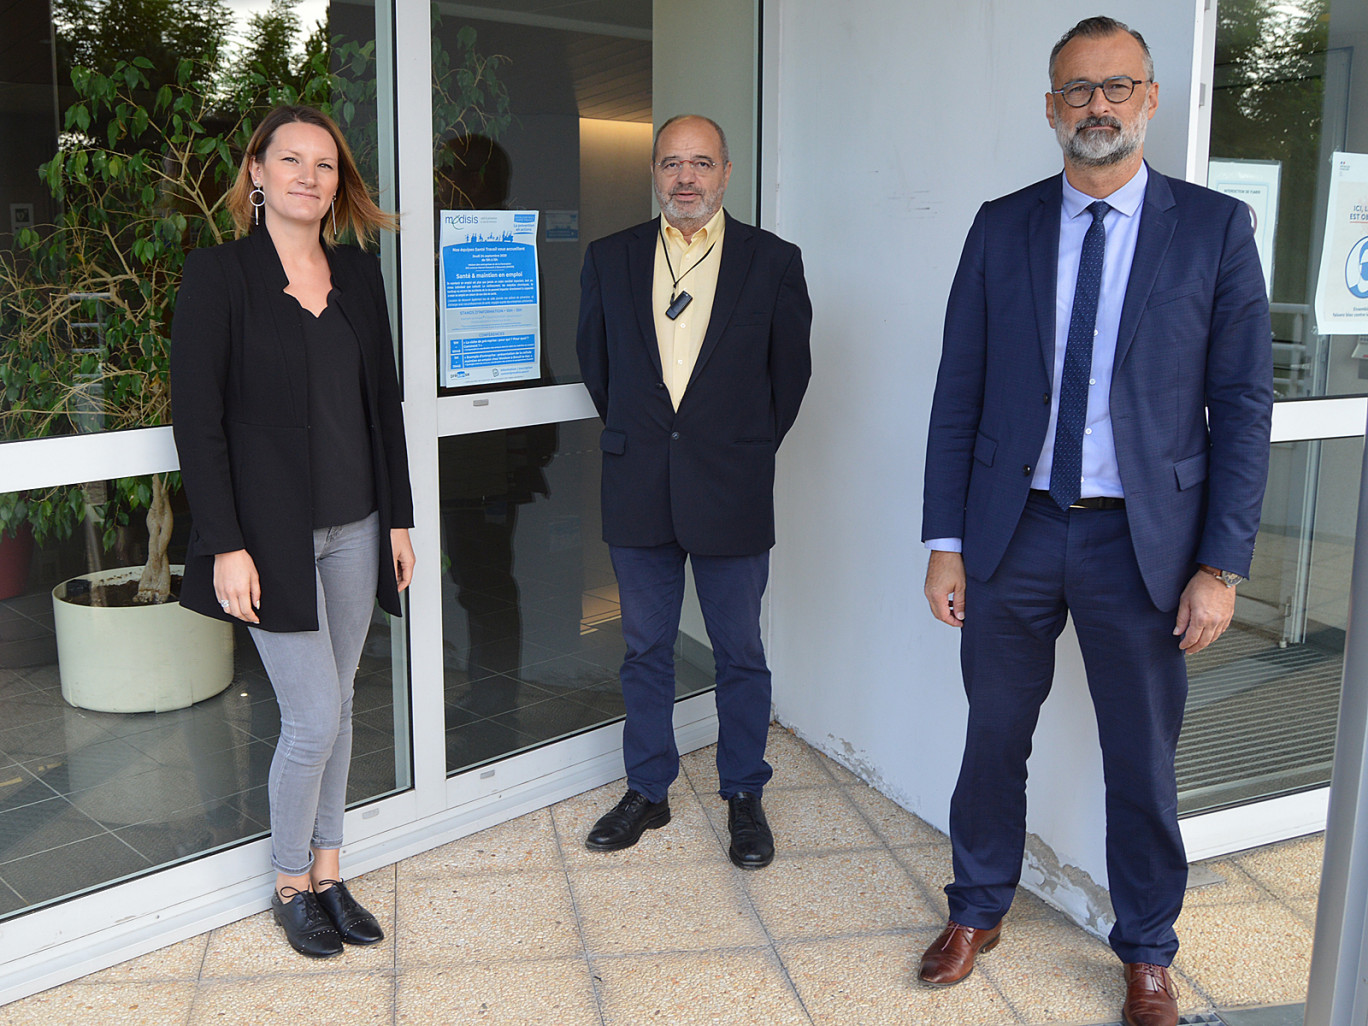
[224, 603]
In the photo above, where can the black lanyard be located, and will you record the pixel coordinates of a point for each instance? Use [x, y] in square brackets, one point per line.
[677, 305]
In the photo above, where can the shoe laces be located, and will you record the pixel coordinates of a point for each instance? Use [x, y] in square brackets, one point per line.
[955, 928]
[631, 801]
[1157, 976]
[314, 916]
[743, 815]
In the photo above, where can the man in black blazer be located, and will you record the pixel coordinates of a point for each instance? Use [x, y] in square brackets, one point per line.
[693, 342]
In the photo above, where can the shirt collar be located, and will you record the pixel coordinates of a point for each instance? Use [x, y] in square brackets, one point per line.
[1125, 200]
[709, 233]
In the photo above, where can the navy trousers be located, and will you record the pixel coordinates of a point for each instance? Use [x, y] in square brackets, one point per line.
[1078, 562]
[651, 590]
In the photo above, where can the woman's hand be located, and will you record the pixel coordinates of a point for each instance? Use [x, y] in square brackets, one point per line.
[404, 558]
[237, 585]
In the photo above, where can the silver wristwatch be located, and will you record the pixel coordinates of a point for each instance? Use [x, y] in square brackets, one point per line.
[1227, 577]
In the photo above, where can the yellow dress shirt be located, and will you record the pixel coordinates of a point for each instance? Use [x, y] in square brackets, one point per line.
[680, 339]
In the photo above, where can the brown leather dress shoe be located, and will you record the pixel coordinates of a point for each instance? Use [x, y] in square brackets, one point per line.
[951, 957]
[1151, 996]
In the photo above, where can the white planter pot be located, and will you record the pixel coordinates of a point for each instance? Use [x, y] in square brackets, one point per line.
[138, 658]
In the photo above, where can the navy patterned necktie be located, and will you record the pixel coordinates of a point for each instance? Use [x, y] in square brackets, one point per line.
[1066, 472]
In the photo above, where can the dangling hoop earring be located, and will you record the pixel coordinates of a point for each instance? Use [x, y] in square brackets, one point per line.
[333, 207]
[258, 199]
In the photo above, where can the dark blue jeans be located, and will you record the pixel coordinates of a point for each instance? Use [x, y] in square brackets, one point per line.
[651, 590]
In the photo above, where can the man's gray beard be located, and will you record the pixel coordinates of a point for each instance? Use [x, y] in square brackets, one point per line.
[677, 217]
[1088, 150]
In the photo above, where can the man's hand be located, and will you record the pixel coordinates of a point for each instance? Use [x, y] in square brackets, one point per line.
[1204, 612]
[236, 585]
[945, 587]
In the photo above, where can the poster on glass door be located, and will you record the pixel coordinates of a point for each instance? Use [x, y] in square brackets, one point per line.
[1342, 292]
[490, 324]
[1255, 184]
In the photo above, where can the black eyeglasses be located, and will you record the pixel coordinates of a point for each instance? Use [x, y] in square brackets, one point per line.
[1117, 89]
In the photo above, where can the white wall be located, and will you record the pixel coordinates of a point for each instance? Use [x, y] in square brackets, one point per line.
[875, 169]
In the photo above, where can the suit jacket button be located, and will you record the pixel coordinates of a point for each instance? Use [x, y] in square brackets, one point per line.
[661, 384]
[674, 434]
[1026, 470]
[1046, 398]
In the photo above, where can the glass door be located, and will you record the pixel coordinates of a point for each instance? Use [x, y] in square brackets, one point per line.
[1262, 703]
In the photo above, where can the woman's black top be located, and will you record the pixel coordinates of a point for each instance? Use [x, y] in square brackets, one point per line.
[341, 473]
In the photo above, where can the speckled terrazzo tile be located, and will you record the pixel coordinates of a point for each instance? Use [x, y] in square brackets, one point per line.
[555, 993]
[506, 916]
[838, 772]
[697, 989]
[1290, 869]
[1054, 972]
[688, 837]
[1258, 953]
[356, 999]
[811, 896]
[176, 962]
[869, 981]
[794, 764]
[1235, 886]
[929, 865]
[124, 1004]
[663, 908]
[895, 824]
[527, 842]
[1304, 909]
[808, 820]
[1027, 908]
[256, 946]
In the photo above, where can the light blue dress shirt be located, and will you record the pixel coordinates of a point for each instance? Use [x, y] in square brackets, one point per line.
[1101, 475]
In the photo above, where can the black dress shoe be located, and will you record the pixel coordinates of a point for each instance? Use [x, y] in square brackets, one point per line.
[307, 927]
[353, 922]
[623, 827]
[752, 843]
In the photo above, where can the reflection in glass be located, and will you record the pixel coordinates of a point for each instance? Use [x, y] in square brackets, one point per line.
[532, 634]
[88, 798]
[90, 252]
[562, 124]
[1262, 701]
[1282, 96]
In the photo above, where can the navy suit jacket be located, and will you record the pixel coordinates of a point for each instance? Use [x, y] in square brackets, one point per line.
[1191, 396]
[702, 476]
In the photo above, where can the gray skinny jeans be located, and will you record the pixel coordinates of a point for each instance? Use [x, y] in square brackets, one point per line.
[312, 673]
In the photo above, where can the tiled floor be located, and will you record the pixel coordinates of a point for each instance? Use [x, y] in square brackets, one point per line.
[520, 924]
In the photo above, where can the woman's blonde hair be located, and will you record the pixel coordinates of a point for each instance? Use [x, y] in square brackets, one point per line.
[352, 208]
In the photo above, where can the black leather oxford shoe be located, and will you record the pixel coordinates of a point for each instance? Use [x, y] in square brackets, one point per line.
[307, 927]
[353, 922]
[752, 843]
[629, 819]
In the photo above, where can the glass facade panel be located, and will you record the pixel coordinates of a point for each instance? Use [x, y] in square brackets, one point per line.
[532, 635]
[1262, 701]
[559, 122]
[1282, 101]
[105, 776]
[88, 794]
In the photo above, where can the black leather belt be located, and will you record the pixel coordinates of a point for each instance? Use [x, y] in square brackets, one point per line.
[1091, 502]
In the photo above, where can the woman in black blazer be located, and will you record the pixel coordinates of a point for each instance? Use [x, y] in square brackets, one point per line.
[286, 413]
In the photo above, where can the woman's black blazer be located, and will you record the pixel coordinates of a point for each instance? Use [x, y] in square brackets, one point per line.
[240, 411]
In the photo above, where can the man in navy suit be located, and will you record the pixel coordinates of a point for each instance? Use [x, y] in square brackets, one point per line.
[1098, 448]
[693, 342]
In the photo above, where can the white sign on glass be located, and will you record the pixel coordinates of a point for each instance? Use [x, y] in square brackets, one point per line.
[491, 322]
